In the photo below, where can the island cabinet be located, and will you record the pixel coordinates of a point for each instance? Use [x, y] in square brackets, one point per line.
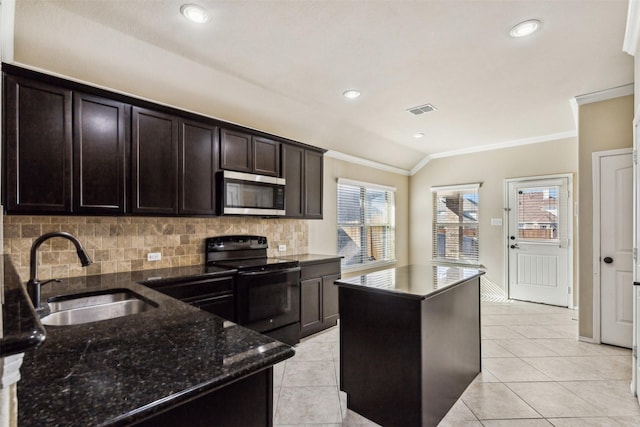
[409, 342]
[302, 169]
[243, 152]
[38, 147]
[154, 160]
[318, 295]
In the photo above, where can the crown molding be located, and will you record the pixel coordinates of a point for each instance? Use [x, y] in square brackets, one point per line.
[508, 144]
[420, 165]
[604, 95]
[364, 162]
[427, 159]
[632, 32]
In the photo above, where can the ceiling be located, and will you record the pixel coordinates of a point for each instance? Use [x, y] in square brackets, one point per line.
[281, 66]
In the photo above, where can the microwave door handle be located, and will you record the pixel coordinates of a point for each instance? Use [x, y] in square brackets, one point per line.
[263, 273]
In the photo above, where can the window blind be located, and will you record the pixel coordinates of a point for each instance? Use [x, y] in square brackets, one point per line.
[366, 223]
[455, 224]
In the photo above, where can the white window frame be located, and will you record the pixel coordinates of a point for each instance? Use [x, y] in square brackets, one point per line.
[368, 186]
[475, 187]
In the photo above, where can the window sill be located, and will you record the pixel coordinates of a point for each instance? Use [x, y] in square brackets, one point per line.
[368, 266]
[457, 263]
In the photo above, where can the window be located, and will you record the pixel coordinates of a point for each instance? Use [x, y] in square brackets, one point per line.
[537, 213]
[366, 224]
[455, 224]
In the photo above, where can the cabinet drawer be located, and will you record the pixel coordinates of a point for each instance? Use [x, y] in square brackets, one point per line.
[221, 305]
[197, 288]
[319, 270]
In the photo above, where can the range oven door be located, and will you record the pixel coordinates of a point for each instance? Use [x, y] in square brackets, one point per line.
[268, 300]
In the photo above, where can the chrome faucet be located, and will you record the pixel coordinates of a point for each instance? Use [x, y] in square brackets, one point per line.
[34, 285]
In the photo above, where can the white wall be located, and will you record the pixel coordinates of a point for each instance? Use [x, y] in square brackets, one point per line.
[323, 234]
[490, 168]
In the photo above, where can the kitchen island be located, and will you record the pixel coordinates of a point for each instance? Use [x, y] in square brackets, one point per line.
[170, 365]
[409, 341]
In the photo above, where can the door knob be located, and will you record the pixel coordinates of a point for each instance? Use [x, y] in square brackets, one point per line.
[608, 259]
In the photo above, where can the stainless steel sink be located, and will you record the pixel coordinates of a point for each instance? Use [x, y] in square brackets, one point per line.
[94, 306]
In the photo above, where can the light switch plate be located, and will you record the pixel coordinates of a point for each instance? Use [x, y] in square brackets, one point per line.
[496, 221]
[154, 256]
[282, 248]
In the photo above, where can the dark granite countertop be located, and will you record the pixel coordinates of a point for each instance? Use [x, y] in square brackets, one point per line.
[20, 329]
[412, 281]
[309, 259]
[119, 371]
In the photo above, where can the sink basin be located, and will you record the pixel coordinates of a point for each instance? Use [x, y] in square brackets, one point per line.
[90, 307]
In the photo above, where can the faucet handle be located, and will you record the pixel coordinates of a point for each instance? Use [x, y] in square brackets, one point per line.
[49, 281]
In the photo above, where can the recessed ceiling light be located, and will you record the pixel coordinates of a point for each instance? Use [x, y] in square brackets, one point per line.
[418, 135]
[525, 28]
[194, 13]
[351, 94]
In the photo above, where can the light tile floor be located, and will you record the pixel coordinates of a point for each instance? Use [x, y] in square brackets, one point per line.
[534, 373]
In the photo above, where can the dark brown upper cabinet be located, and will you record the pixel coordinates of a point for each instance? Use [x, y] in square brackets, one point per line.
[303, 171]
[313, 174]
[292, 172]
[38, 138]
[198, 165]
[154, 161]
[243, 152]
[70, 148]
[266, 156]
[100, 143]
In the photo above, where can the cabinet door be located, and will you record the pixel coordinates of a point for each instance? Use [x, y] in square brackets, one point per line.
[38, 147]
[235, 151]
[198, 165]
[292, 172]
[330, 312]
[310, 306]
[154, 156]
[100, 141]
[313, 173]
[266, 156]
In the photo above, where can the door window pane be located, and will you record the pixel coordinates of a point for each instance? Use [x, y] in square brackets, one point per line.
[538, 213]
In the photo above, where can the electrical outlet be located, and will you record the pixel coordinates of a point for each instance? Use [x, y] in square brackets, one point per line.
[282, 248]
[154, 256]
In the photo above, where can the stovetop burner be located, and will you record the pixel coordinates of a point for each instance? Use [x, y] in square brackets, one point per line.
[244, 253]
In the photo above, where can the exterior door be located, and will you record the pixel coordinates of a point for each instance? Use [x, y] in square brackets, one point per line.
[616, 250]
[539, 240]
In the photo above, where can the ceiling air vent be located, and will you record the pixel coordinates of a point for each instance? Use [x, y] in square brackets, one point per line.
[426, 108]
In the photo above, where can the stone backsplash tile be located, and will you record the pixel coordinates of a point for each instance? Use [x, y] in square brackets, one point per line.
[121, 244]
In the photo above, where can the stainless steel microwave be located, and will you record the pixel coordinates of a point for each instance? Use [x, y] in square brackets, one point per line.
[251, 194]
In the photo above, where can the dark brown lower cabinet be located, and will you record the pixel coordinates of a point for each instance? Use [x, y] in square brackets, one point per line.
[247, 402]
[405, 361]
[318, 297]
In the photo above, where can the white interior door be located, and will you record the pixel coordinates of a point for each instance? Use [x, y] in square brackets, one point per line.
[539, 240]
[616, 250]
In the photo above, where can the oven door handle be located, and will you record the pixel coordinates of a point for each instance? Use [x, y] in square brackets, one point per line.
[264, 273]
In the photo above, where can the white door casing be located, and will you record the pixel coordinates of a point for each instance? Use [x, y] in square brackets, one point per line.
[613, 246]
[539, 239]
